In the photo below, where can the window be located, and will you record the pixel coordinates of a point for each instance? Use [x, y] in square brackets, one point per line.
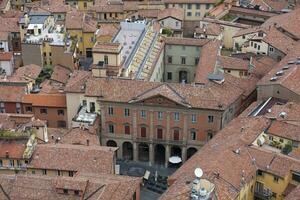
[11, 163]
[65, 191]
[296, 177]
[193, 135]
[2, 107]
[169, 75]
[210, 119]
[169, 59]
[76, 192]
[183, 60]
[159, 133]
[32, 172]
[44, 172]
[259, 173]
[258, 47]
[84, 102]
[270, 137]
[58, 173]
[198, 6]
[59, 16]
[194, 118]
[71, 173]
[18, 108]
[143, 132]
[106, 60]
[92, 39]
[274, 195]
[207, 6]
[61, 124]
[197, 14]
[143, 113]
[281, 140]
[271, 49]
[159, 115]
[275, 179]
[60, 112]
[176, 116]
[176, 23]
[126, 112]
[1, 163]
[85, 5]
[255, 45]
[111, 128]
[243, 37]
[50, 54]
[210, 135]
[189, 6]
[127, 129]
[110, 110]
[189, 14]
[176, 134]
[92, 107]
[43, 111]
[80, 39]
[251, 44]
[28, 109]
[196, 61]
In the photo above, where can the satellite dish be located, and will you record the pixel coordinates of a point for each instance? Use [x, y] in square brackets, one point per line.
[198, 172]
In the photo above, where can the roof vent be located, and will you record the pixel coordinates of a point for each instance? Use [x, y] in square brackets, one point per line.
[269, 110]
[282, 115]
[279, 73]
[274, 78]
[285, 67]
[237, 151]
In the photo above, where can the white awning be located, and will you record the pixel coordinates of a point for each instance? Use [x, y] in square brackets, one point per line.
[31, 26]
[175, 160]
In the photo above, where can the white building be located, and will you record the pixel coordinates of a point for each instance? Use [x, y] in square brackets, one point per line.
[6, 63]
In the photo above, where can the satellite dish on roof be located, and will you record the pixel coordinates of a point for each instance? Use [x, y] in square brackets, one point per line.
[198, 172]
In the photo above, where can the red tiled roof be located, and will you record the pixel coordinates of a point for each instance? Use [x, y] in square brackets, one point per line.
[60, 74]
[207, 61]
[176, 13]
[79, 158]
[45, 100]
[76, 82]
[14, 147]
[10, 93]
[285, 130]
[29, 71]
[6, 56]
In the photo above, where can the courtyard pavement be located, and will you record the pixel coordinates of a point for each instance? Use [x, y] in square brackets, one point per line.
[146, 194]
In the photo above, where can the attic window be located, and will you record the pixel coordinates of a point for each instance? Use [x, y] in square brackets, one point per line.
[76, 192]
[65, 191]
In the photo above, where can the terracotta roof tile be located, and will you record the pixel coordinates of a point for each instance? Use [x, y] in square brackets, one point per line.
[207, 61]
[177, 13]
[185, 41]
[28, 71]
[60, 74]
[118, 90]
[10, 93]
[228, 62]
[76, 82]
[14, 147]
[211, 29]
[45, 100]
[6, 56]
[97, 159]
[285, 130]
[98, 187]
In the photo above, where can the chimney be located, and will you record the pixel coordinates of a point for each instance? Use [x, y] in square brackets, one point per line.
[6, 154]
[87, 142]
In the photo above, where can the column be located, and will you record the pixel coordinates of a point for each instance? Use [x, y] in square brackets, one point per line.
[135, 151]
[102, 116]
[185, 127]
[151, 128]
[167, 155]
[151, 154]
[183, 154]
[168, 126]
[134, 123]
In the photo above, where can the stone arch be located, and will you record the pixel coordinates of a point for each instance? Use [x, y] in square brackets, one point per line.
[127, 150]
[190, 152]
[111, 143]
